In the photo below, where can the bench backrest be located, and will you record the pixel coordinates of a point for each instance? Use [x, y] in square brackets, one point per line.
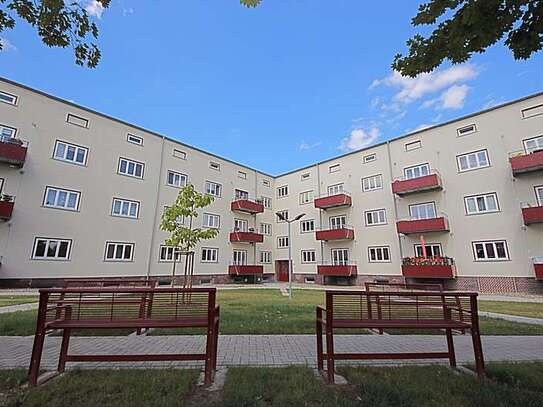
[124, 303]
[108, 282]
[385, 286]
[399, 305]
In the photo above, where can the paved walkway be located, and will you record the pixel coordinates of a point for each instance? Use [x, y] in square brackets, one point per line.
[263, 350]
[19, 307]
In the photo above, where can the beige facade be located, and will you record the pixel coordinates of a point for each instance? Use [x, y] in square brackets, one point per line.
[73, 201]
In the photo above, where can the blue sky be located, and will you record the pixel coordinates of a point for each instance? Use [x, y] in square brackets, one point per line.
[278, 87]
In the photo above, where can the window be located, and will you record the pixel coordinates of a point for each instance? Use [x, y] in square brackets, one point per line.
[131, 168]
[422, 211]
[7, 133]
[334, 168]
[379, 254]
[490, 250]
[71, 153]
[284, 214]
[432, 250]
[134, 139]
[215, 166]
[179, 154]
[340, 257]
[282, 242]
[539, 195]
[282, 191]
[8, 98]
[241, 225]
[532, 111]
[51, 248]
[416, 171]
[306, 197]
[338, 222]
[266, 229]
[240, 194]
[210, 255]
[464, 131]
[212, 188]
[305, 176]
[413, 145]
[266, 201]
[471, 161]
[125, 208]
[372, 183]
[76, 120]
[484, 203]
[307, 226]
[119, 251]
[265, 257]
[309, 256]
[176, 179]
[534, 144]
[211, 221]
[335, 189]
[266, 182]
[376, 217]
[167, 252]
[369, 158]
[242, 175]
[239, 257]
[61, 198]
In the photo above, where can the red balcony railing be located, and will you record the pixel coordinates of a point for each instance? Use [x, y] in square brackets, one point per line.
[439, 224]
[343, 233]
[413, 185]
[428, 267]
[247, 206]
[337, 270]
[532, 213]
[244, 270]
[13, 152]
[333, 201]
[522, 163]
[246, 237]
[6, 207]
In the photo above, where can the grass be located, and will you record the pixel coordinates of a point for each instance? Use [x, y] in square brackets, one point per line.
[522, 309]
[525, 376]
[6, 300]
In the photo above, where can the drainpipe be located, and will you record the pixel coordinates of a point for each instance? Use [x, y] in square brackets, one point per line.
[394, 199]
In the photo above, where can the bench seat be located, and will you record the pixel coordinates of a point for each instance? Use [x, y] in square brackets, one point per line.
[400, 323]
[128, 323]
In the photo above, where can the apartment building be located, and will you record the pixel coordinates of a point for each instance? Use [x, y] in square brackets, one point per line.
[460, 203]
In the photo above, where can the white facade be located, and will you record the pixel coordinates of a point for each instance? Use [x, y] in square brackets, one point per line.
[120, 169]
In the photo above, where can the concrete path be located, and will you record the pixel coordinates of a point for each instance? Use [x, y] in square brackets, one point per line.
[263, 350]
[19, 307]
[512, 318]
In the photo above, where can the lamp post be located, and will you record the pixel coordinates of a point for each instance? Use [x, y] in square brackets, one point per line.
[285, 219]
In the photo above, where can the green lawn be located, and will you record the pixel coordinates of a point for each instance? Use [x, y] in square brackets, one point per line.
[523, 309]
[6, 300]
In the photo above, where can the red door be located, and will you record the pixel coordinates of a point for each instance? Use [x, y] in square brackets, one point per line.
[281, 267]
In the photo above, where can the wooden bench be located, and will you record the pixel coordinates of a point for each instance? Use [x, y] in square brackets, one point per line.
[396, 310]
[120, 307]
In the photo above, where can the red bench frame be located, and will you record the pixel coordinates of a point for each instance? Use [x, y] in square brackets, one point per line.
[394, 309]
[118, 307]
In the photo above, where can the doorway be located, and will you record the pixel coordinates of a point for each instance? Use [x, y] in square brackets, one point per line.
[281, 269]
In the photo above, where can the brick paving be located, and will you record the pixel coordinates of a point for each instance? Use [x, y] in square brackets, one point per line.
[263, 350]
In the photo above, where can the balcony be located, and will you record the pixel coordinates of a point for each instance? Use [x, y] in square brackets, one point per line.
[343, 233]
[402, 187]
[340, 200]
[429, 267]
[13, 152]
[337, 270]
[522, 163]
[244, 270]
[247, 206]
[538, 267]
[6, 207]
[532, 213]
[407, 227]
[246, 237]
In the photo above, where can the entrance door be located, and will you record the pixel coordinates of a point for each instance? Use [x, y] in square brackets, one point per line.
[281, 268]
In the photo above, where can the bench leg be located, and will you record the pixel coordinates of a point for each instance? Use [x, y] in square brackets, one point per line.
[208, 375]
[478, 351]
[318, 330]
[450, 346]
[64, 350]
[330, 369]
[215, 346]
[35, 360]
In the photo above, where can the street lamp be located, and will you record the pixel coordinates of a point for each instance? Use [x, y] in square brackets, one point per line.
[285, 219]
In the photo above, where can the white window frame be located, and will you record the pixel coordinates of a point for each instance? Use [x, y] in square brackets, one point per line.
[304, 223]
[209, 255]
[484, 246]
[213, 189]
[372, 183]
[266, 182]
[379, 254]
[58, 191]
[284, 213]
[116, 245]
[485, 198]
[179, 154]
[305, 176]
[135, 164]
[240, 194]
[179, 179]
[211, 220]
[241, 225]
[265, 257]
[335, 189]
[266, 229]
[168, 252]
[337, 222]
[423, 204]
[214, 166]
[539, 194]
[432, 253]
[334, 168]
[369, 158]
[239, 257]
[4, 130]
[378, 217]
[538, 140]
[132, 138]
[308, 256]
[416, 171]
[242, 175]
[266, 201]
[413, 145]
[306, 197]
[282, 242]
[125, 203]
[532, 111]
[4, 96]
[466, 130]
[77, 120]
[67, 146]
[282, 191]
[339, 257]
[48, 241]
[477, 156]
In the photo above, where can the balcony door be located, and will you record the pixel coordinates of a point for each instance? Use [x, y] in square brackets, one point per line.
[335, 189]
[417, 171]
[338, 222]
[240, 194]
[533, 145]
[340, 257]
[241, 225]
[239, 257]
[539, 195]
[432, 250]
[422, 211]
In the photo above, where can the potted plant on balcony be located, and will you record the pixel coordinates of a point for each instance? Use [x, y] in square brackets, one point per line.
[184, 238]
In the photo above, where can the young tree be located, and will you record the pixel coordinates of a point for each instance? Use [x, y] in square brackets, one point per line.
[185, 238]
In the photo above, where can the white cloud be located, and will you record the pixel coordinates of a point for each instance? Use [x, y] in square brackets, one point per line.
[454, 97]
[7, 45]
[307, 146]
[422, 126]
[128, 11]
[94, 8]
[359, 138]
